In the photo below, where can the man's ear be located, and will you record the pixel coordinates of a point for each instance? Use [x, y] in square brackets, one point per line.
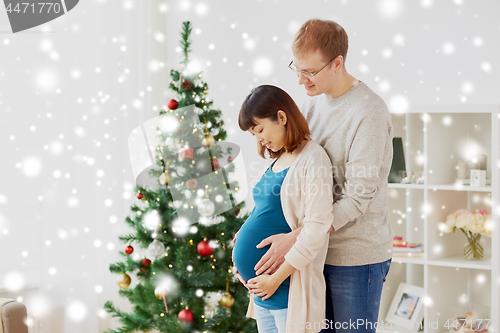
[338, 62]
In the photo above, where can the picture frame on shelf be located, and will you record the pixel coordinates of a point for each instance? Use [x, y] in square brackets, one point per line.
[406, 309]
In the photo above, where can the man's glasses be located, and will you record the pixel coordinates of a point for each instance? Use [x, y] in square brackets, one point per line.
[309, 75]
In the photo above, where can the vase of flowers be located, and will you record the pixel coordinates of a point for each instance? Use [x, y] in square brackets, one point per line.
[473, 224]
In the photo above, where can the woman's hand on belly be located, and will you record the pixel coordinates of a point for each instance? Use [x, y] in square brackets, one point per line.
[263, 286]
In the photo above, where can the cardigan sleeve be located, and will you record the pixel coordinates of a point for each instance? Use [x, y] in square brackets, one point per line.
[371, 142]
[316, 187]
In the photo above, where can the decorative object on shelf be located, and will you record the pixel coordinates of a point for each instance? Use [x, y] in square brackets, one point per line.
[461, 170]
[476, 162]
[398, 161]
[420, 179]
[468, 318]
[468, 324]
[407, 307]
[477, 177]
[473, 224]
[407, 177]
[401, 248]
[464, 170]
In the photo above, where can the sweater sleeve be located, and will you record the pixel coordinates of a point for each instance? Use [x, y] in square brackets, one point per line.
[372, 141]
[317, 189]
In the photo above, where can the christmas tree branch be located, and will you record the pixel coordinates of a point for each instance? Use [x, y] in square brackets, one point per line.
[185, 42]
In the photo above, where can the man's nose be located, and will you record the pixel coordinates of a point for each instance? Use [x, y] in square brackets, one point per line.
[302, 78]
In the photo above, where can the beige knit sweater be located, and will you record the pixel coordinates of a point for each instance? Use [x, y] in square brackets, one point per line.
[356, 131]
[307, 200]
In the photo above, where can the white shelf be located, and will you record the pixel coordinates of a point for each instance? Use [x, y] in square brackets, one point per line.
[459, 187]
[458, 108]
[435, 139]
[457, 261]
[409, 260]
[460, 262]
[445, 187]
[407, 186]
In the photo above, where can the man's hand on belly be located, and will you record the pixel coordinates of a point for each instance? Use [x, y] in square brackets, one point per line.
[275, 256]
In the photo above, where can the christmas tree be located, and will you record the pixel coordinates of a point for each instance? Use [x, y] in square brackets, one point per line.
[185, 216]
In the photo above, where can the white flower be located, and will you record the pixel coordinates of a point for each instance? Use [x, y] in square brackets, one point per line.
[444, 227]
[487, 226]
[451, 222]
[475, 222]
[462, 219]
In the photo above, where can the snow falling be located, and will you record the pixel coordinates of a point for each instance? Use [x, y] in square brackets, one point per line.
[70, 94]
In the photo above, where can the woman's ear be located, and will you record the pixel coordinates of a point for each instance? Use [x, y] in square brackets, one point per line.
[282, 119]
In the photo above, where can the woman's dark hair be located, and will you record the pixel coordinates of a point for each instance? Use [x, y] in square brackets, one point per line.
[264, 102]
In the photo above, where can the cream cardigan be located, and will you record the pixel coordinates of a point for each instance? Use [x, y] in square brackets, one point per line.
[307, 200]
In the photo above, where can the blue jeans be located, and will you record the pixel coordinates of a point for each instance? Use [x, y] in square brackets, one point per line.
[353, 296]
[270, 321]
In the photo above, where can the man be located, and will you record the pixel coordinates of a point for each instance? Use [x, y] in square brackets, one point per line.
[354, 126]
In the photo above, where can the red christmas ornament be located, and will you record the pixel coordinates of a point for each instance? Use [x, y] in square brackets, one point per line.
[129, 249]
[172, 104]
[186, 315]
[139, 195]
[144, 269]
[146, 262]
[229, 159]
[204, 249]
[215, 164]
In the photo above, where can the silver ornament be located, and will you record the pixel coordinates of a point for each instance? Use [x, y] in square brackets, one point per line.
[156, 248]
[206, 207]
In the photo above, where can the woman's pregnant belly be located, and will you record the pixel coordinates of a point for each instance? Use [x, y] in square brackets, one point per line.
[246, 254]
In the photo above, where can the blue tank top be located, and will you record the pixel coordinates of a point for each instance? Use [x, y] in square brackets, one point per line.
[266, 219]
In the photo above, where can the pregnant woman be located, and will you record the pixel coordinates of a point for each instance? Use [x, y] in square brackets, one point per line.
[294, 194]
